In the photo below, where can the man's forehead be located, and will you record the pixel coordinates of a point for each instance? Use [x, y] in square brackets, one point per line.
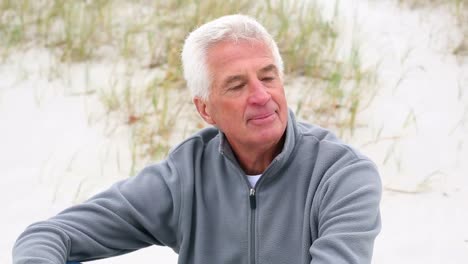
[228, 59]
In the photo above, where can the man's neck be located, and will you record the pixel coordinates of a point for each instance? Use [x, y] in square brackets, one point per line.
[255, 160]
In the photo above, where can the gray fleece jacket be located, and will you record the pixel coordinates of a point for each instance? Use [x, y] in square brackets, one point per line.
[317, 202]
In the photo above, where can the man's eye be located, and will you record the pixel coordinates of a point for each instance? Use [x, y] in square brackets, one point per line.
[267, 79]
[237, 87]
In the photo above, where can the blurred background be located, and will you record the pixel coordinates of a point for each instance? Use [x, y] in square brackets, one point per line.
[92, 91]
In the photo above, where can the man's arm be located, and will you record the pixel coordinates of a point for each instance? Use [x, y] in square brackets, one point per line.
[132, 214]
[347, 215]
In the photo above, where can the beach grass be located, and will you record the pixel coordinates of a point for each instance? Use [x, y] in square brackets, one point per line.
[147, 37]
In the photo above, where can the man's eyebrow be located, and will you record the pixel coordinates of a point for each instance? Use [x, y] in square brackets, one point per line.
[269, 68]
[232, 79]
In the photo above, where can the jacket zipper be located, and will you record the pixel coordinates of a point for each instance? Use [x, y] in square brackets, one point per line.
[253, 206]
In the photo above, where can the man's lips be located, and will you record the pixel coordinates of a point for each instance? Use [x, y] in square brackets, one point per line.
[263, 118]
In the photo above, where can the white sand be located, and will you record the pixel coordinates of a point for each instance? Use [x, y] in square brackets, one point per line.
[423, 116]
[50, 143]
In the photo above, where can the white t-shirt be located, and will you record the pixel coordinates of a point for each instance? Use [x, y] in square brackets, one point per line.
[253, 179]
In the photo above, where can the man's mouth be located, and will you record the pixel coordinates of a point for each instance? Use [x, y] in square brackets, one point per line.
[263, 118]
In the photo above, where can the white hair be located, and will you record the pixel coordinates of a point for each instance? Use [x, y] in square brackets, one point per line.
[231, 27]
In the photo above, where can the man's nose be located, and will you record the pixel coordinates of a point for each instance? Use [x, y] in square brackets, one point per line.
[259, 94]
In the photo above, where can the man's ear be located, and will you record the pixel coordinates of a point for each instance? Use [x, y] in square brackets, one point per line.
[204, 110]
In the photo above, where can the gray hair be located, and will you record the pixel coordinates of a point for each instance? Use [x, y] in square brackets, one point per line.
[231, 27]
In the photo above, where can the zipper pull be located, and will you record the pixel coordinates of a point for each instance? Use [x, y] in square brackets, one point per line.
[253, 203]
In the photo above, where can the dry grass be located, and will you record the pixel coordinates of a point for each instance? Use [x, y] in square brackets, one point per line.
[148, 35]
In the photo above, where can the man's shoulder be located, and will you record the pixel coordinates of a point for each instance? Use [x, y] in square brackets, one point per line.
[328, 141]
[198, 142]
[332, 156]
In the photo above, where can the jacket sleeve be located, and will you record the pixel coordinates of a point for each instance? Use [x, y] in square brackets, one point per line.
[347, 215]
[132, 214]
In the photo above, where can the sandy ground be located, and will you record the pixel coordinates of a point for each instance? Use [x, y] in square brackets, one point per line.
[54, 153]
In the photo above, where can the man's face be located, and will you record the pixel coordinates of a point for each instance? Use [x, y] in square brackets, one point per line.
[247, 101]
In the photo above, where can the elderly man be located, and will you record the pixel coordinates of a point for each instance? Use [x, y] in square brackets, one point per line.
[257, 187]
